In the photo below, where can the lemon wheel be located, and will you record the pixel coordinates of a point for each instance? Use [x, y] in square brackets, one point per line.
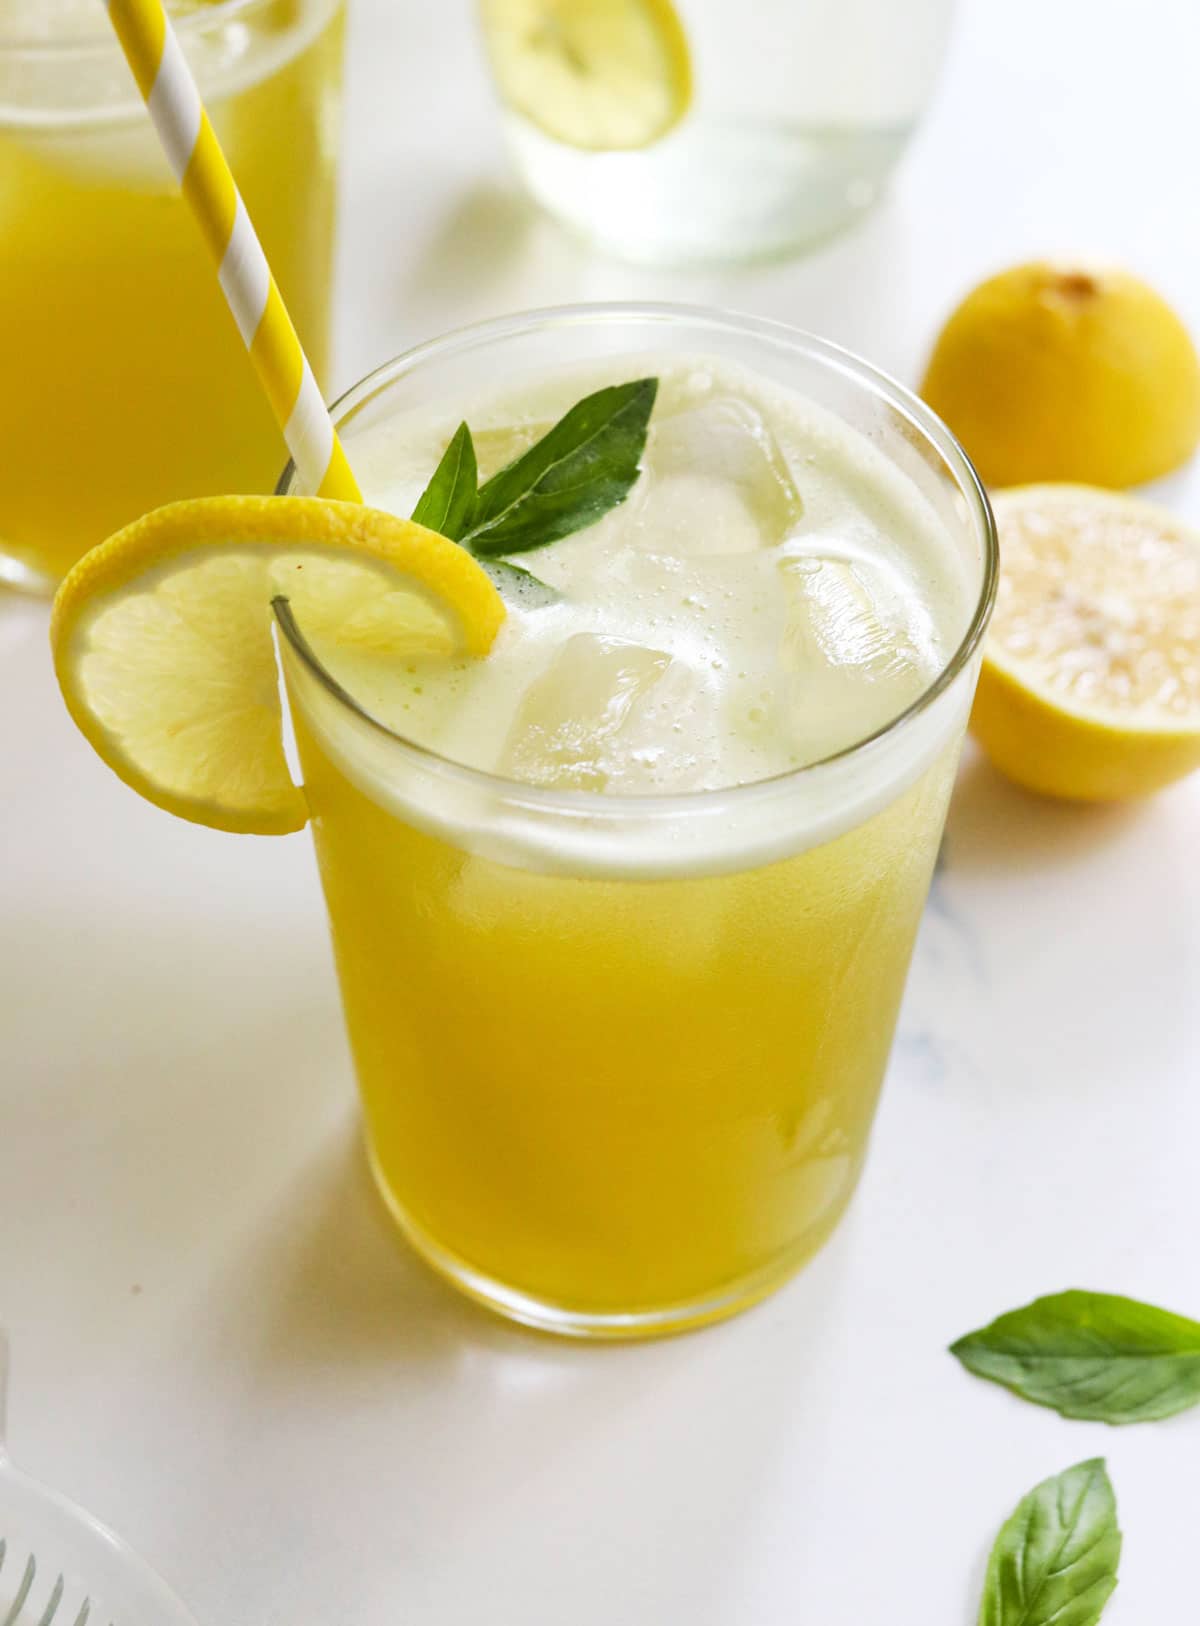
[601, 75]
[163, 649]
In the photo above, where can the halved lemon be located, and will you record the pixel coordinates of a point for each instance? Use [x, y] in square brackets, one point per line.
[1090, 687]
[602, 75]
[162, 637]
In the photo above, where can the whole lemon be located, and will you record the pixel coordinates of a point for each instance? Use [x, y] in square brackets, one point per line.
[1061, 372]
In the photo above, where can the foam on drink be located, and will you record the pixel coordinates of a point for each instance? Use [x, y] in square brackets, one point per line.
[771, 592]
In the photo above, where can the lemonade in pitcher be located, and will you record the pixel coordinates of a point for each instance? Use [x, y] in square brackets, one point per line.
[126, 383]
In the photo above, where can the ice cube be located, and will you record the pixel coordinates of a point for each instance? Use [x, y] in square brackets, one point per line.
[848, 658]
[606, 715]
[836, 616]
[715, 481]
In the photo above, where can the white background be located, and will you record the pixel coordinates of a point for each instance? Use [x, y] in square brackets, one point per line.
[219, 1346]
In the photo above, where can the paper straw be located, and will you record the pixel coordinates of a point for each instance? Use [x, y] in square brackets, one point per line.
[173, 101]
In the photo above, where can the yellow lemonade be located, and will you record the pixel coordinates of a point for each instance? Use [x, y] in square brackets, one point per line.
[125, 381]
[621, 1098]
[622, 914]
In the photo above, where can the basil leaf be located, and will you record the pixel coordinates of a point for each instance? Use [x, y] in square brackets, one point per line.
[448, 499]
[579, 469]
[1091, 1355]
[1055, 1560]
[517, 586]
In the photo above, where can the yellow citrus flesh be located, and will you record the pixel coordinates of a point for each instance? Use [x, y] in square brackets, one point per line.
[162, 637]
[1058, 372]
[601, 75]
[1090, 687]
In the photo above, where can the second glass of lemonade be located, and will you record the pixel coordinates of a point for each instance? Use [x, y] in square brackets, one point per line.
[126, 383]
[622, 915]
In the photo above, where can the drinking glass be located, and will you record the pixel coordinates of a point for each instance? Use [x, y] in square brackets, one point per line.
[799, 110]
[619, 1055]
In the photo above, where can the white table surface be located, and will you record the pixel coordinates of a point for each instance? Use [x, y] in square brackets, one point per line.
[219, 1346]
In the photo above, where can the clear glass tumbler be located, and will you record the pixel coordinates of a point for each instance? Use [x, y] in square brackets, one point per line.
[619, 1055]
[797, 112]
[112, 327]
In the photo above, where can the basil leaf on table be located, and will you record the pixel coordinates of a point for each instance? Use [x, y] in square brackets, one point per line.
[1054, 1562]
[1095, 1356]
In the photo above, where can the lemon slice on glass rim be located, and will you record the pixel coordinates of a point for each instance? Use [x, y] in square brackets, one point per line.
[1090, 687]
[162, 638]
[599, 75]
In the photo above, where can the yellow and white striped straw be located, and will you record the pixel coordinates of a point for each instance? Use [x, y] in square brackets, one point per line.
[173, 101]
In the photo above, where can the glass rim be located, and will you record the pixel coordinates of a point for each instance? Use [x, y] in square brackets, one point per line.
[838, 359]
[103, 38]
